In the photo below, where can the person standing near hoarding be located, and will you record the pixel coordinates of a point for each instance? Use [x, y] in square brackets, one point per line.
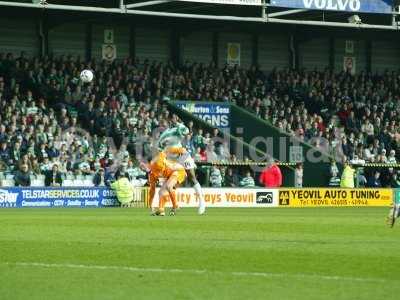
[247, 181]
[215, 177]
[271, 176]
[123, 188]
[298, 176]
[347, 180]
[394, 214]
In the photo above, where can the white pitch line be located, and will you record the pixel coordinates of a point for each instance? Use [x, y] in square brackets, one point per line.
[189, 271]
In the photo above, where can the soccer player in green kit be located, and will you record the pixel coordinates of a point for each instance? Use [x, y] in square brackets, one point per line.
[172, 138]
[393, 214]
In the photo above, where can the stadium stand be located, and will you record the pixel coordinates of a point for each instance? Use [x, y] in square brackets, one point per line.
[48, 118]
[44, 110]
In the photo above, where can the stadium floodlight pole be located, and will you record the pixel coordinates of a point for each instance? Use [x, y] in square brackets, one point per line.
[148, 3]
[332, 24]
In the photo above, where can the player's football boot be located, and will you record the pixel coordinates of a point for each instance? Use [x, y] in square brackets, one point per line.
[202, 206]
[202, 209]
[160, 212]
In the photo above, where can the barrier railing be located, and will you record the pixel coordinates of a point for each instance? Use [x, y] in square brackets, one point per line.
[141, 197]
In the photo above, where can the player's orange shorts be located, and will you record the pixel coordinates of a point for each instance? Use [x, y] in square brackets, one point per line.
[162, 167]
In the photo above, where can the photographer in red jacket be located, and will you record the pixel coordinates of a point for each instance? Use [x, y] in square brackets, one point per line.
[271, 176]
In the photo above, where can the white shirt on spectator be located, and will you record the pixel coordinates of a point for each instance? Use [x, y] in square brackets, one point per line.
[46, 167]
[32, 110]
[392, 160]
[215, 177]
[368, 154]
[368, 128]
[212, 156]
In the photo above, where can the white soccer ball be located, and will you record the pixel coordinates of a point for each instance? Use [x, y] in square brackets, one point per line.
[86, 76]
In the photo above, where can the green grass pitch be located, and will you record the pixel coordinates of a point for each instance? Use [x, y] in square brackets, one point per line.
[281, 253]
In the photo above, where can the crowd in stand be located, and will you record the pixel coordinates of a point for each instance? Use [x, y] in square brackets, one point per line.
[354, 118]
[49, 120]
[53, 125]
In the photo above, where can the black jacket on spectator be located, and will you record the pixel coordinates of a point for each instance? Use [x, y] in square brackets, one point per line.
[87, 117]
[231, 180]
[103, 125]
[395, 183]
[51, 178]
[373, 182]
[107, 178]
[5, 155]
[385, 178]
[22, 178]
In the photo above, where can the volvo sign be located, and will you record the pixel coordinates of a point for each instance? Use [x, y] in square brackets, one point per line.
[353, 6]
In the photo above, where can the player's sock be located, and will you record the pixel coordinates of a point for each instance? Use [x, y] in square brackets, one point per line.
[151, 197]
[172, 195]
[391, 218]
[161, 205]
[202, 203]
[397, 208]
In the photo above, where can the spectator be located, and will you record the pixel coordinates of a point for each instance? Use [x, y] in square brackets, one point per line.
[122, 172]
[22, 176]
[271, 176]
[369, 153]
[247, 180]
[137, 176]
[384, 158]
[3, 166]
[35, 167]
[298, 176]
[53, 177]
[222, 151]
[215, 177]
[374, 181]
[395, 182]
[16, 153]
[211, 155]
[198, 140]
[231, 178]
[361, 179]
[392, 157]
[5, 154]
[25, 160]
[347, 180]
[99, 178]
[200, 155]
[334, 180]
[123, 188]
